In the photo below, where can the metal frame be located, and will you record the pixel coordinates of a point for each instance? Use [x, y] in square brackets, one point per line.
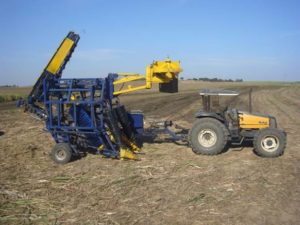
[207, 93]
[69, 118]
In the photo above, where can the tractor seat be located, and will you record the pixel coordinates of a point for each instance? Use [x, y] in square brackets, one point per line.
[233, 114]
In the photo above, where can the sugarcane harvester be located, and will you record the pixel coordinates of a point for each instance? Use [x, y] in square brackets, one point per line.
[84, 113]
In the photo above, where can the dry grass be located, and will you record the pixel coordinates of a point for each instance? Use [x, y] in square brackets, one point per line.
[170, 185]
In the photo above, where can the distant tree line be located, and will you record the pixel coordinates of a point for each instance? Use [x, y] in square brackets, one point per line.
[9, 85]
[213, 79]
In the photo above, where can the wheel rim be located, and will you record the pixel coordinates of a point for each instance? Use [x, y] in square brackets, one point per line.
[270, 143]
[61, 155]
[207, 138]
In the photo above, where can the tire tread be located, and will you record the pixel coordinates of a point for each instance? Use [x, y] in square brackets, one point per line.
[221, 127]
[261, 152]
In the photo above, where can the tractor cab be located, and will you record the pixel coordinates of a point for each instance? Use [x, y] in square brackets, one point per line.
[211, 102]
[211, 97]
[211, 106]
[234, 117]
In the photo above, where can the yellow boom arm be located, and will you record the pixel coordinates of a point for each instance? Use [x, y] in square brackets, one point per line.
[164, 73]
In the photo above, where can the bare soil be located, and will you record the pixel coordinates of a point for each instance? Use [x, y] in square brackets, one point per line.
[169, 185]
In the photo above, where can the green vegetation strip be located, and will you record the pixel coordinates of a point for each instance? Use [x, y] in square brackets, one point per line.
[61, 178]
[10, 97]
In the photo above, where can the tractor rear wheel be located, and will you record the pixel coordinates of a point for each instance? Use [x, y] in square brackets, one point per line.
[269, 142]
[61, 153]
[208, 136]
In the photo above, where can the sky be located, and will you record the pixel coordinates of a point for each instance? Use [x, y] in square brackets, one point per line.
[229, 39]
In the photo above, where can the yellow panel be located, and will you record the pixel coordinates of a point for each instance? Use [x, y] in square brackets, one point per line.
[59, 57]
[127, 154]
[249, 121]
[162, 72]
[166, 66]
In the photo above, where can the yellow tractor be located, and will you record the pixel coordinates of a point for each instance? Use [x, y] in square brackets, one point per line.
[214, 130]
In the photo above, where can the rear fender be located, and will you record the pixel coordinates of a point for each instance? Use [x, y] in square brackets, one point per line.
[202, 114]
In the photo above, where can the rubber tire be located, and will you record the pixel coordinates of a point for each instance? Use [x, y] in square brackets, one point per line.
[269, 132]
[213, 124]
[61, 147]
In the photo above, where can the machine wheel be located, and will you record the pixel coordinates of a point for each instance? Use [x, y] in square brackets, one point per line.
[269, 142]
[61, 153]
[208, 136]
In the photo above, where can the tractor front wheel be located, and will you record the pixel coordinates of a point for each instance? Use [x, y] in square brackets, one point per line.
[61, 153]
[269, 142]
[208, 136]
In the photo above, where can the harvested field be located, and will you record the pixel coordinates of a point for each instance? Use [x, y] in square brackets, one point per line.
[170, 185]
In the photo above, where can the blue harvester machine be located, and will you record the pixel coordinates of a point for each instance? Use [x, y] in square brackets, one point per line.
[85, 113]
